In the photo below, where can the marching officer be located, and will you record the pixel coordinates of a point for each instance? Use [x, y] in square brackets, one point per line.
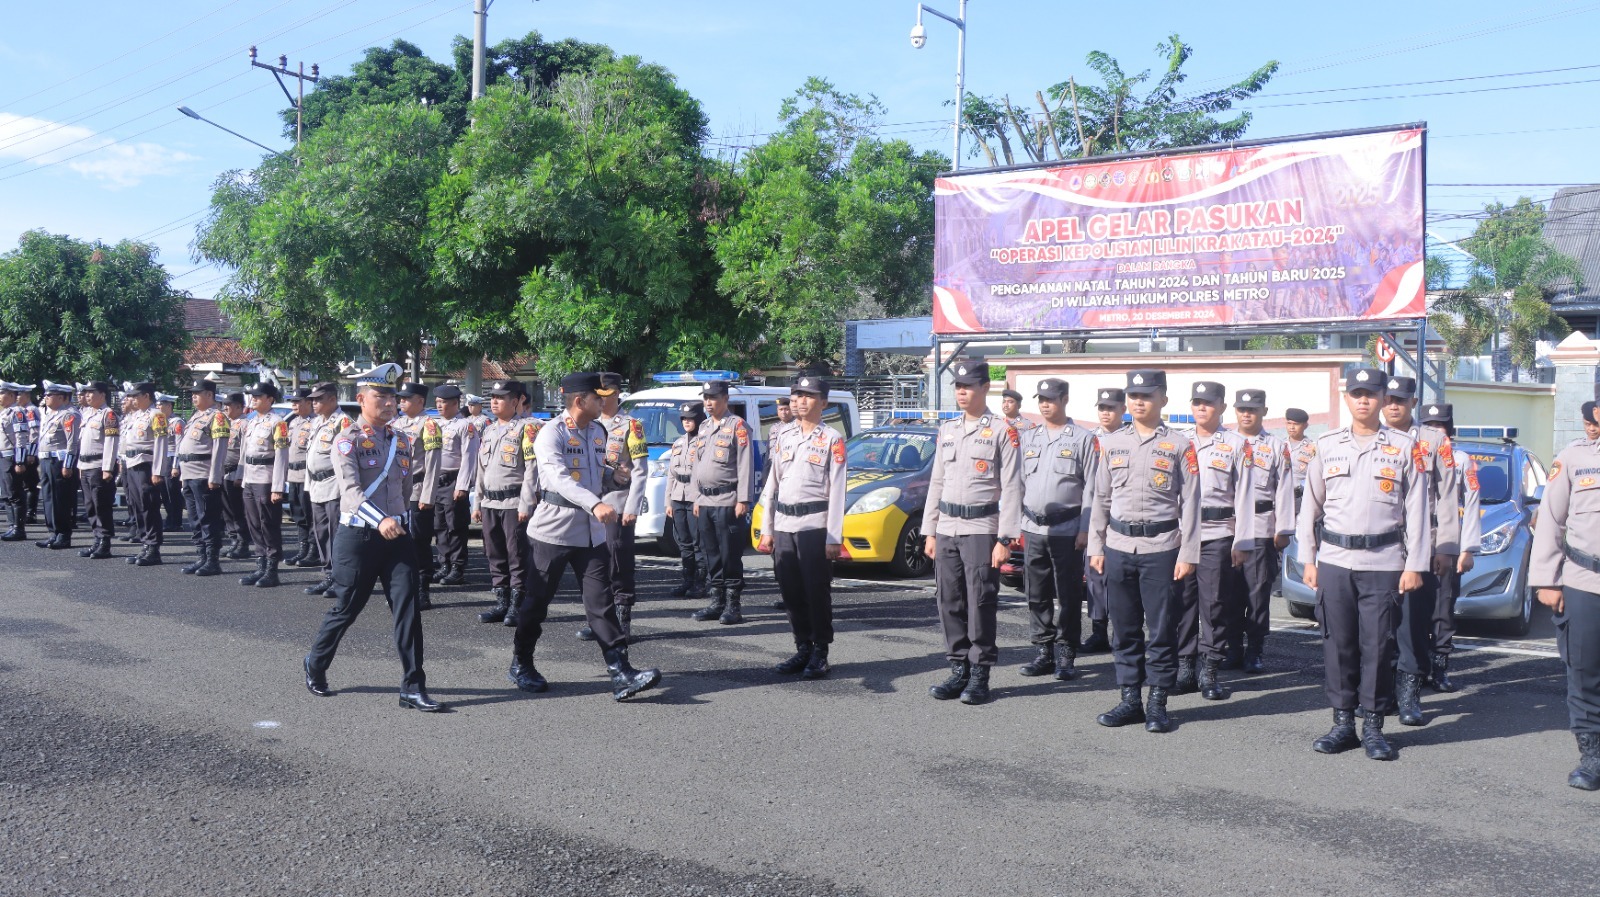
[265, 444]
[372, 466]
[201, 458]
[145, 440]
[16, 445]
[322, 487]
[1272, 489]
[233, 516]
[1011, 410]
[1417, 608]
[60, 428]
[627, 450]
[427, 440]
[681, 501]
[172, 483]
[723, 485]
[507, 491]
[1147, 493]
[1364, 539]
[802, 506]
[1565, 569]
[1442, 416]
[300, 425]
[451, 483]
[1059, 461]
[98, 445]
[1110, 407]
[568, 530]
[1301, 449]
[972, 516]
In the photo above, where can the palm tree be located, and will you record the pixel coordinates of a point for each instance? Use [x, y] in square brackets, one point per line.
[1508, 295]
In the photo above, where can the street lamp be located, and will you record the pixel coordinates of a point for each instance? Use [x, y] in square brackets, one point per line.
[919, 39]
[198, 117]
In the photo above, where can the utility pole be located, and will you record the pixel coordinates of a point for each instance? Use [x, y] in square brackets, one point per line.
[278, 72]
[480, 49]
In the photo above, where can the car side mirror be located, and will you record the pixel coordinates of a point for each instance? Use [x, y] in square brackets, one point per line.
[1537, 496]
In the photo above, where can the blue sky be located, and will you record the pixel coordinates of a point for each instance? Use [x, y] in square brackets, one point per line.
[91, 144]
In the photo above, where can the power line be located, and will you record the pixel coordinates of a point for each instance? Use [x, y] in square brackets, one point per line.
[1441, 93]
[1570, 68]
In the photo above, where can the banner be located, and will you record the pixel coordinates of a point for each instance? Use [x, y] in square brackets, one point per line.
[1314, 230]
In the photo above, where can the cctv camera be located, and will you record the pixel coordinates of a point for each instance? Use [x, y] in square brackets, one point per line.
[919, 36]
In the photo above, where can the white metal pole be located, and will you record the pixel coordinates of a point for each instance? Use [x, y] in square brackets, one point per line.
[961, 79]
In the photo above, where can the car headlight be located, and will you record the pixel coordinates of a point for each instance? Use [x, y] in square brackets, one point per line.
[1499, 538]
[876, 500]
[658, 470]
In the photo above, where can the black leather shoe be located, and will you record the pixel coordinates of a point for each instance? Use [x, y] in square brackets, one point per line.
[424, 599]
[1441, 674]
[952, 687]
[712, 610]
[817, 667]
[1066, 662]
[1586, 777]
[249, 579]
[625, 680]
[1042, 665]
[511, 609]
[1340, 738]
[682, 591]
[44, 543]
[320, 588]
[1129, 710]
[1096, 643]
[1155, 711]
[269, 577]
[585, 634]
[101, 549]
[1232, 658]
[1210, 686]
[456, 576]
[1253, 664]
[150, 558]
[310, 560]
[526, 677]
[208, 563]
[1408, 694]
[1377, 746]
[61, 542]
[419, 700]
[1187, 676]
[731, 614]
[316, 682]
[977, 690]
[502, 603]
[802, 656]
[15, 534]
[198, 562]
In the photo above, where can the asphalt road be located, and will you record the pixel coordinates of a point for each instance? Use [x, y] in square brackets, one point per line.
[155, 738]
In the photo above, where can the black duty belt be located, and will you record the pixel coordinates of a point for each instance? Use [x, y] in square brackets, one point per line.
[1299, 491]
[317, 476]
[1050, 518]
[1582, 558]
[1263, 507]
[87, 458]
[297, 465]
[1365, 542]
[711, 491]
[449, 476]
[558, 500]
[968, 512]
[260, 459]
[185, 459]
[229, 468]
[1144, 530]
[683, 477]
[134, 453]
[1211, 514]
[501, 494]
[802, 509]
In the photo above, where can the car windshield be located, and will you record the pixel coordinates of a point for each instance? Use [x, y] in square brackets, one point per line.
[1494, 476]
[891, 450]
[660, 418]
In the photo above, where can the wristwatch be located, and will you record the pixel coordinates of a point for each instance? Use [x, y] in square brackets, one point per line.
[1002, 540]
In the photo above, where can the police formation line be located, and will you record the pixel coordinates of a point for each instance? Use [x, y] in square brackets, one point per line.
[1174, 539]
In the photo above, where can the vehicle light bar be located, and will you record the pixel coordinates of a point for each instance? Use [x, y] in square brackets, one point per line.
[1486, 432]
[695, 376]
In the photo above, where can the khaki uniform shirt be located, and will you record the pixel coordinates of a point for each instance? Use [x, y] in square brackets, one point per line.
[205, 446]
[1020, 424]
[145, 439]
[572, 477]
[231, 469]
[299, 444]
[360, 459]
[1356, 491]
[59, 434]
[724, 473]
[1471, 503]
[1226, 472]
[1569, 516]
[321, 484]
[626, 449]
[426, 441]
[1058, 471]
[266, 451]
[16, 442]
[1271, 483]
[807, 469]
[175, 469]
[1301, 451]
[507, 475]
[98, 444]
[978, 463]
[1444, 488]
[1147, 479]
[680, 470]
[458, 449]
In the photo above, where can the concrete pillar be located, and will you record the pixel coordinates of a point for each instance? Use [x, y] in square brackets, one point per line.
[1576, 359]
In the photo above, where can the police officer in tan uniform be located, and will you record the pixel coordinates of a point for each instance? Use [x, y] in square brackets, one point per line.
[16, 446]
[1442, 416]
[427, 441]
[1110, 407]
[724, 484]
[1300, 448]
[98, 447]
[507, 492]
[172, 483]
[1011, 410]
[233, 516]
[265, 447]
[60, 428]
[1144, 535]
[322, 486]
[681, 500]
[300, 424]
[1363, 539]
[1591, 427]
[1272, 488]
[372, 464]
[451, 481]
[145, 441]
[202, 456]
[626, 449]
[972, 517]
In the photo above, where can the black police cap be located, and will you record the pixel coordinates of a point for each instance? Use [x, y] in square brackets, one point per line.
[1402, 388]
[447, 392]
[1296, 415]
[1250, 400]
[1109, 396]
[1051, 389]
[260, 389]
[1208, 391]
[580, 382]
[1145, 381]
[966, 372]
[1369, 379]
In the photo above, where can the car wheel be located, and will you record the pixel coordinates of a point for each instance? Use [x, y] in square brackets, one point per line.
[908, 557]
[1518, 626]
[1302, 611]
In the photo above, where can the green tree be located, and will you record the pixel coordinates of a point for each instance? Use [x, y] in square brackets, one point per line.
[76, 310]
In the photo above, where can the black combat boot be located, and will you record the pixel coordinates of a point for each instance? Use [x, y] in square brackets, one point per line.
[1042, 665]
[1372, 739]
[151, 557]
[702, 588]
[1408, 694]
[1340, 738]
[1129, 710]
[1587, 775]
[586, 635]
[424, 597]
[249, 579]
[198, 562]
[1252, 657]
[524, 675]
[686, 586]
[102, 549]
[17, 532]
[731, 614]
[321, 587]
[241, 550]
[712, 611]
[960, 672]
[1096, 643]
[502, 604]
[1066, 661]
[456, 575]
[1210, 686]
[134, 558]
[300, 555]
[208, 562]
[1155, 711]
[47, 541]
[1441, 674]
[977, 690]
[817, 667]
[625, 622]
[90, 549]
[269, 577]
[802, 656]
[511, 610]
[1187, 675]
[625, 680]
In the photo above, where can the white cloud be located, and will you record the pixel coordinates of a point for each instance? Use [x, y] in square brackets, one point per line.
[38, 141]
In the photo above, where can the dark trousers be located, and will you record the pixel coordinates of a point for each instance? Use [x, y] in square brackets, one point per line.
[99, 495]
[1578, 637]
[450, 519]
[265, 518]
[686, 532]
[1444, 614]
[547, 564]
[1415, 636]
[145, 498]
[172, 501]
[60, 496]
[1052, 569]
[1143, 600]
[324, 522]
[1220, 587]
[805, 580]
[620, 539]
[205, 513]
[421, 527]
[233, 519]
[30, 486]
[1358, 610]
[505, 543]
[1095, 585]
[361, 559]
[968, 596]
[300, 512]
[1260, 570]
[722, 540]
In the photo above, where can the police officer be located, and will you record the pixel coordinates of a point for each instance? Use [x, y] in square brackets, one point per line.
[1110, 407]
[1011, 410]
[475, 406]
[98, 447]
[16, 446]
[724, 483]
[202, 456]
[265, 444]
[1147, 494]
[972, 516]
[1059, 461]
[627, 450]
[507, 491]
[233, 516]
[300, 425]
[30, 475]
[681, 502]
[59, 430]
[145, 440]
[1301, 449]
[568, 530]
[802, 507]
[427, 441]
[1363, 539]
[372, 465]
[172, 482]
[451, 482]
[1591, 427]
[1272, 488]
[322, 487]
[1417, 608]
[785, 418]
[1565, 569]
[1442, 416]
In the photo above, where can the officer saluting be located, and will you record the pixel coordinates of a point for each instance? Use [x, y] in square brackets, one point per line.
[59, 430]
[1059, 462]
[802, 505]
[202, 455]
[98, 445]
[1363, 540]
[972, 516]
[724, 483]
[373, 466]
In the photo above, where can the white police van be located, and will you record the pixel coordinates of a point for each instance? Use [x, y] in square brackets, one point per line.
[657, 410]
